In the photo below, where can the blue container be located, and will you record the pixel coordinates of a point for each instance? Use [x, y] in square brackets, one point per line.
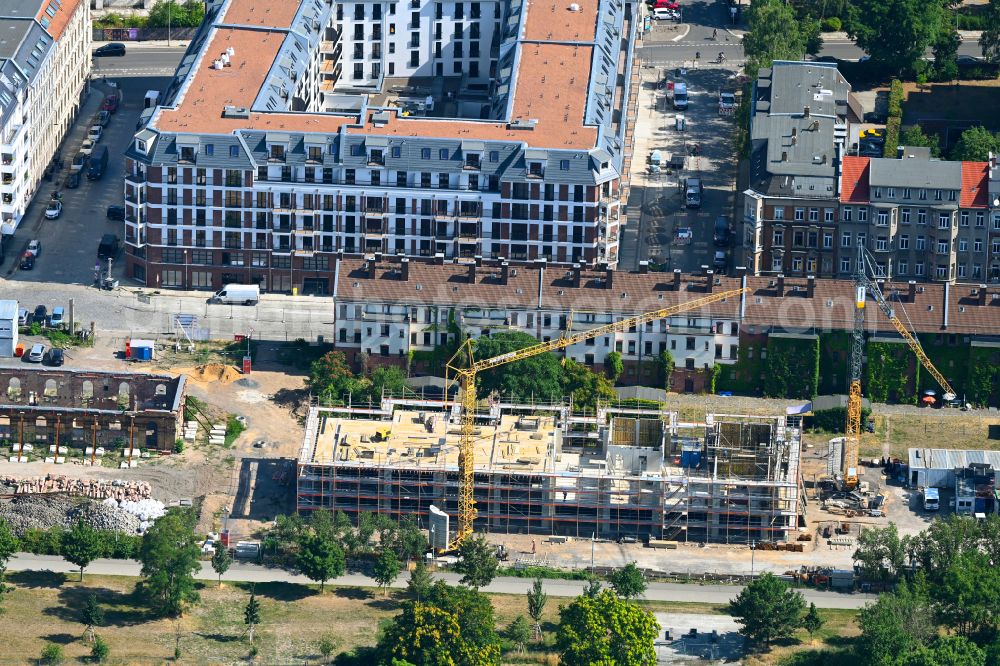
[980, 505]
[690, 458]
[143, 353]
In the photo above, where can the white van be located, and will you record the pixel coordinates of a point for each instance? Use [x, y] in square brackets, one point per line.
[233, 294]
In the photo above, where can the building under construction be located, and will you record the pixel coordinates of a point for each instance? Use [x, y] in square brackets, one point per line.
[545, 470]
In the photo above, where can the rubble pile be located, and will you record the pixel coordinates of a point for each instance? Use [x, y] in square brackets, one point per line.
[45, 511]
[146, 510]
[94, 488]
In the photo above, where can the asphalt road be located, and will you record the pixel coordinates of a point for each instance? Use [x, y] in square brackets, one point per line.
[141, 59]
[714, 594]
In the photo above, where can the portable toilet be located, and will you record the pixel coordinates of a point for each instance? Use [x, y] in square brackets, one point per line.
[8, 328]
[139, 350]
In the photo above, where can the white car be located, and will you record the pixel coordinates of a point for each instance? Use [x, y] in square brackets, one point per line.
[95, 133]
[87, 147]
[35, 247]
[53, 210]
[684, 234]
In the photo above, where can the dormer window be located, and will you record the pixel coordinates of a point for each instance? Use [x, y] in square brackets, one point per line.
[376, 157]
[140, 146]
[315, 154]
[276, 153]
[535, 170]
[187, 154]
[277, 146]
[473, 161]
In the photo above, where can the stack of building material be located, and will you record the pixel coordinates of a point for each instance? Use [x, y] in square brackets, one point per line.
[218, 434]
[93, 488]
[190, 430]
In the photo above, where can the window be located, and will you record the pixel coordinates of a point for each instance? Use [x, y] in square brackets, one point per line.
[564, 165]
[904, 242]
[878, 193]
[980, 219]
[942, 246]
[862, 214]
[920, 243]
[938, 195]
[890, 193]
[977, 245]
[845, 239]
[922, 195]
[827, 240]
[902, 268]
[995, 245]
[941, 272]
[977, 270]
[396, 152]
[234, 151]
[883, 218]
[906, 193]
[778, 239]
[494, 156]
[845, 265]
[797, 264]
[828, 214]
[918, 268]
[944, 221]
[779, 212]
[904, 215]
[846, 214]
[961, 270]
[952, 195]
[443, 154]
[881, 244]
[814, 214]
[963, 244]
[921, 216]
[800, 213]
[964, 219]
[775, 263]
[425, 153]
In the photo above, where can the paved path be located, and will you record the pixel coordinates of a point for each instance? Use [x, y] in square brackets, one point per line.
[715, 594]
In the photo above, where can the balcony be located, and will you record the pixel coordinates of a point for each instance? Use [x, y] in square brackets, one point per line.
[135, 178]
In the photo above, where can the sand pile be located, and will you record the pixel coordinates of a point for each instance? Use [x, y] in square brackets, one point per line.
[216, 372]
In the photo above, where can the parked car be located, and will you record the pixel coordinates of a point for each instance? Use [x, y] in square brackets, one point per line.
[35, 247]
[87, 147]
[116, 212]
[104, 117]
[108, 247]
[53, 210]
[95, 133]
[27, 262]
[37, 353]
[110, 104]
[54, 357]
[24, 317]
[41, 314]
[721, 235]
[73, 180]
[720, 261]
[79, 162]
[58, 317]
[112, 49]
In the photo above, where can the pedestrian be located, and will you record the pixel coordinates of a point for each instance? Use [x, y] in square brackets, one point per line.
[715, 33]
[697, 55]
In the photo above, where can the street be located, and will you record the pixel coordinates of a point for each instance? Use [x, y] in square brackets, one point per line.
[713, 594]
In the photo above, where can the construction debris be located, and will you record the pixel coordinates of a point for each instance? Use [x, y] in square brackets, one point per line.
[46, 511]
[93, 488]
[216, 372]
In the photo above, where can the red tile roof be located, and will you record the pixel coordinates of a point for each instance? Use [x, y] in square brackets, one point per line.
[854, 179]
[975, 184]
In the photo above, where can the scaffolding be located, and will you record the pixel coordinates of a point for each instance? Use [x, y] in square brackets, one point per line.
[547, 471]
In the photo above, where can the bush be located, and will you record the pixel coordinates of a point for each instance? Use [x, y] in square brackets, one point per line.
[896, 98]
[834, 420]
[831, 24]
[52, 654]
[179, 445]
[100, 651]
[969, 21]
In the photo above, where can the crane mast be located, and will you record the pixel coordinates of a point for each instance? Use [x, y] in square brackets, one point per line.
[466, 377]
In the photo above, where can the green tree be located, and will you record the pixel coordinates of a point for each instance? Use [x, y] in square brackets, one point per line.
[587, 387]
[81, 545]
[251, 616]
[774, 32]
[628, 581]
[536, 605]
[896, 625]
[320, 559]
[518, 632]
[99, 651]
[966, 596]
[418, 587]
[767, 609]
[593, 587]
[386, 570]
[881, 553]
[331, 379]
[949, 651]
[388, 378]
[327, 644]
[989, 39]
[540, 376]
[410, 541]
[665, 369]
[221, 561]
[170, 556]
[477, 562]
[605, 630]
[52, 655]
[613, 366]
[946, 49]
[975, 145]
[8, 546]
[166, 13]
[92, 616]
[812, 622]
[895, 33]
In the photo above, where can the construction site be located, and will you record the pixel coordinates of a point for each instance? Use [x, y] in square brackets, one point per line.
[545, 470]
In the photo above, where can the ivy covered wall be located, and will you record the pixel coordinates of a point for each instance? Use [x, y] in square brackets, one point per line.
[791, 369]
[888, 373]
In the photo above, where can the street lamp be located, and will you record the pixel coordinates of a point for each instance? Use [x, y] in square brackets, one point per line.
[753, 550]
[186, 270]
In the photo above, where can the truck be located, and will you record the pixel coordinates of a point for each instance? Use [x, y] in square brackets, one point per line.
[98, 163]
[108, 248]
[692, 193]
[932, 500]
[234, 294]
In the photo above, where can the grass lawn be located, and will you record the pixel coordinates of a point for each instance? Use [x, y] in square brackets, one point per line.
[45, 608]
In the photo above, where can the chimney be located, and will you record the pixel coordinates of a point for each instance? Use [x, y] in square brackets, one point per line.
[784, 156]
[643, 267]
[472, 274]
[795, 132]
[504, 272]
[370, 266]
[982, 294]
[795, 139]
[781, 285]
[947, 295]
[911, 296]
[806, 111]
[704, 269]
[810, 285]
[404, 264]
[439, 258]
[709, 281]
[609, 278]
[378, 257]
[677, 279]
[576, 275]
[479, 260]
[900, 152]
[741, 271]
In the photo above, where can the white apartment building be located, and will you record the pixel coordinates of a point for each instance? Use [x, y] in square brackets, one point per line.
[45, 65]
[417, 38]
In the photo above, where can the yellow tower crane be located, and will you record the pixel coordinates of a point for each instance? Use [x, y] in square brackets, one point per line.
[864, 285]
[467, 379]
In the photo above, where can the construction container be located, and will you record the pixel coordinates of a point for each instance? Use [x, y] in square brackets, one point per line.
[690, 456]
[139, 350]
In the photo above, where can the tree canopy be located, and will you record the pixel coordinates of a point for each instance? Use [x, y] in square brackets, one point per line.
[975, 145]
[320, 558]
[170, 556]
[81, 545]
[477, 562]
[774, 32]
[606, 630]
[540, 376]
[895, 33]
[767, 609]
[628, 581]
[386, 569]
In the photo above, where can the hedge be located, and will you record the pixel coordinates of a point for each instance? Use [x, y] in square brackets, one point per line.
[834, 420]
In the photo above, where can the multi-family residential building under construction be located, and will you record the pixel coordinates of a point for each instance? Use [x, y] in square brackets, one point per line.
[549, 470]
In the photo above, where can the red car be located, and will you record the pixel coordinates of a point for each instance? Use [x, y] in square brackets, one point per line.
[110, 104]
[664, 4]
